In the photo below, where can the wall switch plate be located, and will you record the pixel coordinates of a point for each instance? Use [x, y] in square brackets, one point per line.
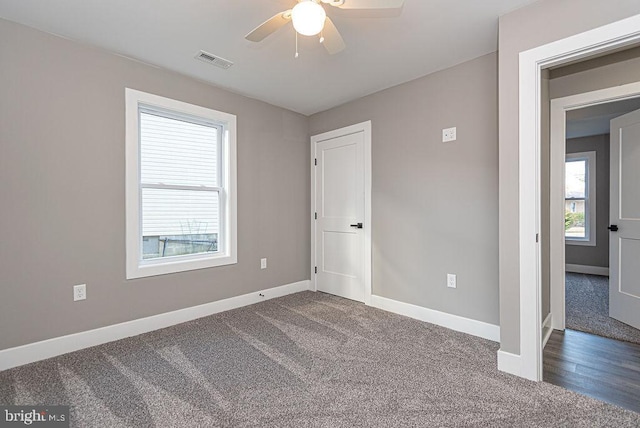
[79, 292]
[448, 134]
[263, 263]
[451, 280]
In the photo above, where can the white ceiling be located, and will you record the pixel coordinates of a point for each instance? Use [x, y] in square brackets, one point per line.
[595, 120]
[383, 49]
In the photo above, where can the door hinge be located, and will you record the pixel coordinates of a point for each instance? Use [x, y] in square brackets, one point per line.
[316, 269]
[537, 237]
[315, 161]
[316, 216]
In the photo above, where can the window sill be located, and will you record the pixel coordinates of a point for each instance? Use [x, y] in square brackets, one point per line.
[580, 243]
[179, 265]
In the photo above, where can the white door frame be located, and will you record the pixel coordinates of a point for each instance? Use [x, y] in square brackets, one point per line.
[559, 107]
[532, 62]
[365, 128]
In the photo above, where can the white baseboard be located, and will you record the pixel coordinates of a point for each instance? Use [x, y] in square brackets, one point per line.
[37, 351]
[453, 322]
[590, 270]
[509, 363]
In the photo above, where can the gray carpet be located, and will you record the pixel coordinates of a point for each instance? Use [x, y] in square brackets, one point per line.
[305, 360]
[587, 308]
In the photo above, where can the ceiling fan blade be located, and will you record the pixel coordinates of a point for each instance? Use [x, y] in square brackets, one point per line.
[369, 4]
[333, 41]
[269, 26]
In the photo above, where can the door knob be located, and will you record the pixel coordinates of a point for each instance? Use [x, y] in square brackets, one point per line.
[358, 225]
[613, 228]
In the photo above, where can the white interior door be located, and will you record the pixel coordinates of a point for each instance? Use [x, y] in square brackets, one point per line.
[339, 190]
[624, 251]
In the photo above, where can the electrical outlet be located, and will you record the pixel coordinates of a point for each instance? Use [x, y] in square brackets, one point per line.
[451, 280]
[79, 292]
[448, 134]
[263, 263]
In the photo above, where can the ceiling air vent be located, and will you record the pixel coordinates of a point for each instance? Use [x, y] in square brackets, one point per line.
[213, 59]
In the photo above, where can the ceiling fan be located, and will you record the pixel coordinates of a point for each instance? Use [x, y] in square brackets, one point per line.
[310, 18]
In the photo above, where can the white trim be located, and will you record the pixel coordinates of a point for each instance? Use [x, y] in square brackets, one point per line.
[509, 363]
[368, 262]
[312, 275]
[547, 329]
[443, 319]
[557, 256]
[589, 270]
[558, 266]
[135, 268]
[32, 352]
[365, 128]
[579, 46]
[529, 221]
[591, 197]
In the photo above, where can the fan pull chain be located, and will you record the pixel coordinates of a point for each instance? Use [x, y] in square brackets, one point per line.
[322, 36]
[296, 55]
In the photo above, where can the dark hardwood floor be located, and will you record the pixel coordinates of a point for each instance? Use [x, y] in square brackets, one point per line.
[606, 369]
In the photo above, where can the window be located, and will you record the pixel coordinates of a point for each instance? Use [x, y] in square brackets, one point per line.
[180, 186]
[580, 198]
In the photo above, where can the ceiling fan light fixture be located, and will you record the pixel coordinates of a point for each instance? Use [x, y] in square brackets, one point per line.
[308, 18]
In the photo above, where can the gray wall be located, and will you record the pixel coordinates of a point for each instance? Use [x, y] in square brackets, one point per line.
[611, 70]
[62, 192]
[434, 204]
[545, 197]
[539, 23]
[597, 255]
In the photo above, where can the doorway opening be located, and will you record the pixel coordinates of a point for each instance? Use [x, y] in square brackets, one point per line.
[580, 214]
[590, 44]
[592, 349]
[587, 221]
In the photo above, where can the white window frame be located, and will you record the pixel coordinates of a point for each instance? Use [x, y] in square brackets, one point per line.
[136, 267]
[589, 200]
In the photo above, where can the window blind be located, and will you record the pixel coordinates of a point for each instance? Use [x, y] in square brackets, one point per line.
[179, 174]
